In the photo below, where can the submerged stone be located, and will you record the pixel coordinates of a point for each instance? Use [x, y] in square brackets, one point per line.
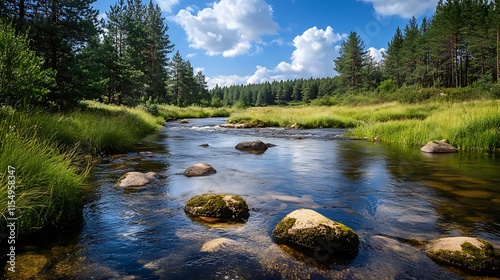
[441, 146]
[134, 180]
[468, 253]
[309, 229]
[200, 169]
[220, 206]
[218, 244]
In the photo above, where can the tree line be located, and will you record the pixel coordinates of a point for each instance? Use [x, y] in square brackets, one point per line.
[124, 59]
[458, 47]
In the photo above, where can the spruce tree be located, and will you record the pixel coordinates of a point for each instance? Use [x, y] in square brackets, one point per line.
[351, 61]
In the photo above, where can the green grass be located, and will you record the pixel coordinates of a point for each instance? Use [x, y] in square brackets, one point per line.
[332, 117]
[48, 152]
[471, 126]
[174, 112]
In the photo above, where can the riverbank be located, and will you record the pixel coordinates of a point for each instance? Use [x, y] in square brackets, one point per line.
[49, 154]
[472, 125]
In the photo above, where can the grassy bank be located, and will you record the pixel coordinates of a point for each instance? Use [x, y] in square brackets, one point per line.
[329, 117]
[473, 125]
[469, 126]
[47, 150]
[174, 112]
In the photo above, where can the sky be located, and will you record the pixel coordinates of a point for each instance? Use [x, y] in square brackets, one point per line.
[254, 41]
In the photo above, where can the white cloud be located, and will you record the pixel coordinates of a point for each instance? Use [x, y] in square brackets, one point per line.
[230, 27]
[223, 81]
[167, 5]
[402, 8]
[376, 53]
[314, 53]
[313, 56]
[189, 55]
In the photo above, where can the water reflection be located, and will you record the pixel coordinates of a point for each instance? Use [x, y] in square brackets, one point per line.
[394, 197]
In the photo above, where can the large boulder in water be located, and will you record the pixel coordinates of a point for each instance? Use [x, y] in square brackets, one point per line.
[467, 253]
[309, 229]
[252, 146]
[220, 206]
[441, 146]
[200, 169]
[137, 180]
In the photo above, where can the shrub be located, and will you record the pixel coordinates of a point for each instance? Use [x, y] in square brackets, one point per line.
[23, 82]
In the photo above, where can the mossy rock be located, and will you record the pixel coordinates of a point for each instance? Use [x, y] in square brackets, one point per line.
[309, 229]
[220, 206]
[467, 253]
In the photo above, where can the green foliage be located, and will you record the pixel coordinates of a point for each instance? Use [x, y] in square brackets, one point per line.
[48, 184]
[387, 86]
[352, 61]
[455, 122]
[23, 82]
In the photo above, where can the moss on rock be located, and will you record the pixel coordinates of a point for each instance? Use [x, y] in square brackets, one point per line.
[221, 206]
[314, 231]
[475, 255]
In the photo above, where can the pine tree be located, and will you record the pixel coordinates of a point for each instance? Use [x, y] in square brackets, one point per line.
[157, 46]
[60, 30]
[351, 61]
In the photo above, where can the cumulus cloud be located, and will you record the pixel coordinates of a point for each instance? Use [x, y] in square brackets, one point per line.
[314, 53]
[313, 56]
[167, 5]
[402, 8]
[230, 27]
[376, 53]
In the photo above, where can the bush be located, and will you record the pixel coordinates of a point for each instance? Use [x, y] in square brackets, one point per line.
[387, 86]
[23, 82]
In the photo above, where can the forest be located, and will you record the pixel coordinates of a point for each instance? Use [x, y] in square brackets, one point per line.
[67, 55]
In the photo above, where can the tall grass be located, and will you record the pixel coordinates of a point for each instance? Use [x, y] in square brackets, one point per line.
[334, 116]
[47, 152]
[48, 184]
[170, 111]
[469, 126]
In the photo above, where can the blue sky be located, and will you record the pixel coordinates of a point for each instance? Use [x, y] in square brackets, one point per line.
[253, 41]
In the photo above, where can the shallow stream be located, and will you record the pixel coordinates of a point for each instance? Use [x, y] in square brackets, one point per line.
[396, 198]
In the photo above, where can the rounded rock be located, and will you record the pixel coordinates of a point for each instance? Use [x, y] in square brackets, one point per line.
[136, 180]
[441, 146]
[467, 253]
[200, 169]
[220, 206]
[309, 229]
[255, 146]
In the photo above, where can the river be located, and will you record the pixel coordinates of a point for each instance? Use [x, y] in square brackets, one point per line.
[396, 198]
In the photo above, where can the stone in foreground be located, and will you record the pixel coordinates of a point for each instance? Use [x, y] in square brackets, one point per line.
[309, 229]
[220, 206]
[467, 253]
[252, 146]
[136, 180]
[441, 146]
[199, 169]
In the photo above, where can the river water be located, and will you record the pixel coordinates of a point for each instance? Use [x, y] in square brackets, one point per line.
[396, 198]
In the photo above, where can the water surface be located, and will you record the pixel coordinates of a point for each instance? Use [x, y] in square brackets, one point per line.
[396, 198]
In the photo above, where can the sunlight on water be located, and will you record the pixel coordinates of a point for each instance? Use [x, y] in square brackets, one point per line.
[394, 197]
